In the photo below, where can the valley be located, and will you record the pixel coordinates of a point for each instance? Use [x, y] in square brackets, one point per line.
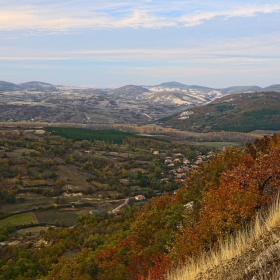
[42, 172]
[125, 183]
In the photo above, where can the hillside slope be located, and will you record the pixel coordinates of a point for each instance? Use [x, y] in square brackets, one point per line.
[254, 254]
[129, 91]
[238, 112]
[183, 86]
[241, 89]
[6, 86]
[37, 86]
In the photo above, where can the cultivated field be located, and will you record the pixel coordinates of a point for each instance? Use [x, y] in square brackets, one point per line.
[16, 220]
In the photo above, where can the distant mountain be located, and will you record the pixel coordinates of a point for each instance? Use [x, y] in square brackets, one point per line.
[182, 97]
[273, 88]
[132, 91]
[237, 112]
[240, 89]
[170, 96]
[137, 104]
[228, 90]
[5, 86]
[94, 91]
[37, 86]
[182, 86]
[129, 91]
[172, 84]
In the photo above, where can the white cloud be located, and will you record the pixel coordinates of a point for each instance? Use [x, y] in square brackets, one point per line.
[253, 50]
[246, 11]
[114, 16]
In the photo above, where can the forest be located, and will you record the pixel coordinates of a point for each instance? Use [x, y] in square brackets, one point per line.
[187, 217]
[109, 136]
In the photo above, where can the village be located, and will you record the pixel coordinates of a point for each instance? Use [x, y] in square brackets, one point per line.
[178, 168]
[181, 166]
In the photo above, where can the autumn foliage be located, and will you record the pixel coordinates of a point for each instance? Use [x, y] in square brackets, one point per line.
[225, 194]
[220, 197]
[235, 200]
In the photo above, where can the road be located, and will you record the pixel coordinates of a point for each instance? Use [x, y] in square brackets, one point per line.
[117, 209]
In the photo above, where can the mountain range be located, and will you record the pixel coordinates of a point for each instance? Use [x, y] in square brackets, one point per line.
[125, 91]
[30, 86]
[38, 101]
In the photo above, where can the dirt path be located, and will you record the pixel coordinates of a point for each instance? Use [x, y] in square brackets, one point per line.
[34, 217]
[115, 210]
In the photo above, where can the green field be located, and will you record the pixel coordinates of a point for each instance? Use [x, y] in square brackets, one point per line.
[16, 220]
[56, 217]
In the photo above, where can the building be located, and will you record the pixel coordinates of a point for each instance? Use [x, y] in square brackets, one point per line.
[140, 197]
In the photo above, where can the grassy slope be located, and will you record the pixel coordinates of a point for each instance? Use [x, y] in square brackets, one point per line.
[252, 254]
[239, 112]
[66, 218]
[16, 220]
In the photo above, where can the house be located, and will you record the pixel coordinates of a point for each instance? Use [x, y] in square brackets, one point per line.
[155, 152]
[140, 197]
[178, 155]
[176, 160]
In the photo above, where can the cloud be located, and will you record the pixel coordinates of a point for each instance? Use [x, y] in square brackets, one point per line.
[253, 50]
[61, 17]
[246, 11]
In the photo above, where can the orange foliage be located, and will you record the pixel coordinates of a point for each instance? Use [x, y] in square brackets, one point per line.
[160, 267]
[234, 201]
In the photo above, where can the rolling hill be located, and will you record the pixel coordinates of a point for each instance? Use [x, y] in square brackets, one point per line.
[6, 86]
[238, 112]
[241, 89]
[273, 88]
[37, 86]
[129, 91]
[183, 86]
[228, 90]
[29, 86]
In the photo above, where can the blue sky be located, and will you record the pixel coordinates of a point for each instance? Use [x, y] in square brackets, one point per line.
[112, 43]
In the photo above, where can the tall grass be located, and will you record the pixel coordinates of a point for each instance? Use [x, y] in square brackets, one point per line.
[243, 256]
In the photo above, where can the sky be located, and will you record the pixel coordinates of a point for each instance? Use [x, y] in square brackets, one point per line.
[109, 43]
